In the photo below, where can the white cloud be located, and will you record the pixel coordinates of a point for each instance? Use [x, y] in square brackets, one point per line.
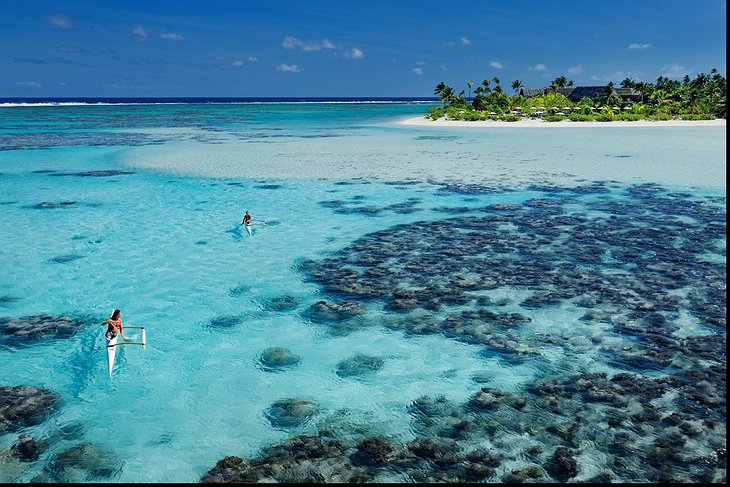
[538, 67]
[444, 68]
[140, 33]
[675, 71]
[636, 45]
[171, 36]
[420, 63]
[465, 41]
[496, 65]
[227, 62]
[70, 49]
[118, 86]
[354, 53]
[288, 68]
[29, 84]
[237, 63]
[575, 70]
[418, 71]
[622, 75]
[60, 21]
[292, 42]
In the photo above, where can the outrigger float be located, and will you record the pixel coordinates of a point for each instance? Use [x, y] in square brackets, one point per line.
[111, 346]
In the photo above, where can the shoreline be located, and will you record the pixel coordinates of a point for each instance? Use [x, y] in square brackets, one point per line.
[535, 123]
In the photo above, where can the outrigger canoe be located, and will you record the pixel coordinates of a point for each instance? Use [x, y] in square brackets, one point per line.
[111, 347]
[253, 222]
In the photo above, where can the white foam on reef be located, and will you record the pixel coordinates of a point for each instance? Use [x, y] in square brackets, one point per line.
[48, 104]
[677, 156]
[212, 102]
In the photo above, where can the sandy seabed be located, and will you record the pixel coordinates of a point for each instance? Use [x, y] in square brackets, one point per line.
[426, 122]
[691, 153]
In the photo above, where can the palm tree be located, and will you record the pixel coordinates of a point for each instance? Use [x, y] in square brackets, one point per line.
[608, 95]
[469, 84]
[628, 83]
[439, 90]
[445, 93]
[486, 88]
[516, 85]
[660, 97]
[560, 82]
[717, 92]
[448, 95]
[701, 81]
[642, 87]
[662, 82]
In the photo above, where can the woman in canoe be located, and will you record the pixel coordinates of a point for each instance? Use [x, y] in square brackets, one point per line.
[247, 222]
[115, 325]
[246, 219]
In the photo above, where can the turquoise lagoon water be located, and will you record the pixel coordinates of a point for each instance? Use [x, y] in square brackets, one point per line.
[159, 239]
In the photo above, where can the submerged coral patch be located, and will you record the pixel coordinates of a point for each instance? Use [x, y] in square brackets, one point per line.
[290, 413]
[65, 258]
[29, 329]
[285, 302]
[359, 364]
[83, 462]
[275, 358]
[101, 173]
[226, 321]
[23, 406]
[7, 299]
[47, 205]
[632, 269]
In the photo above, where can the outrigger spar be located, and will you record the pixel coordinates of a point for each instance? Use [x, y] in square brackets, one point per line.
[111, 347]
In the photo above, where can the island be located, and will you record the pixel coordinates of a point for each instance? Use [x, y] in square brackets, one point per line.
[701, 98]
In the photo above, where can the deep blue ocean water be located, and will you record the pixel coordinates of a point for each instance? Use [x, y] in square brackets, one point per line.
[518, 260]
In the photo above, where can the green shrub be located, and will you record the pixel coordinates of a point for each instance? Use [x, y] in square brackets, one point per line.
[661, 116]
[509, 118]
[434, 113]
[579, 117]
[553, 118]
[698, 116]
[472, 116]
[582, 110]
[604, 117]
[630, 117]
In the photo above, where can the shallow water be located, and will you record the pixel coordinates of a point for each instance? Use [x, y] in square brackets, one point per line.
[156, 235]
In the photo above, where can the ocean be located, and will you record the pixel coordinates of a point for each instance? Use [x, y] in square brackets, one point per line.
[416, 303]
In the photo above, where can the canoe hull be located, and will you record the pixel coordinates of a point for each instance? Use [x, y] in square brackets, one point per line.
[111, 353]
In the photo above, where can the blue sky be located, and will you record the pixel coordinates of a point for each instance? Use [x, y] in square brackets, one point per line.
[338, 48]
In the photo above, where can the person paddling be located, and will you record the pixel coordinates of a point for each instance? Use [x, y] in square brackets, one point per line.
[115, 325]
[247, 222]
[246, 219]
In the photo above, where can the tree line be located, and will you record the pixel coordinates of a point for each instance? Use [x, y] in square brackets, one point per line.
[701, 97]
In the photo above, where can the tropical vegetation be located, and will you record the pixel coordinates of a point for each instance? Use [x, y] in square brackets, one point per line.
[699, 98]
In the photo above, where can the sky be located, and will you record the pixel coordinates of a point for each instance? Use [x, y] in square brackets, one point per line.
[251, 48]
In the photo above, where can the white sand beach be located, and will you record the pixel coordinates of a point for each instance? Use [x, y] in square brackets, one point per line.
[532, 123]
